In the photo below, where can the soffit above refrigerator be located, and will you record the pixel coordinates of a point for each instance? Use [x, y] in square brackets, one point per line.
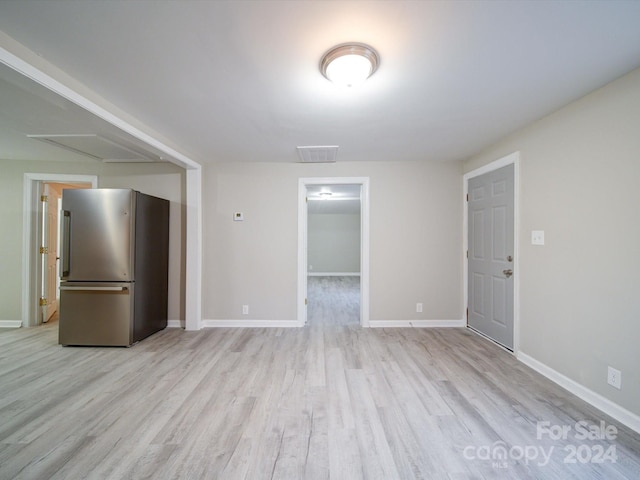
[94, 146]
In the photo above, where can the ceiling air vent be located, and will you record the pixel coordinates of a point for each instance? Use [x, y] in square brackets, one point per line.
[94, 146]
[322, 154]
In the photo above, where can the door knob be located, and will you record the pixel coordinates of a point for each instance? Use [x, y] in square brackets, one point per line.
[507, 273]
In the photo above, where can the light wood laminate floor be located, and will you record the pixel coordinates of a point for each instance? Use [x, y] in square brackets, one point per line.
[333, 300]
[323, 401]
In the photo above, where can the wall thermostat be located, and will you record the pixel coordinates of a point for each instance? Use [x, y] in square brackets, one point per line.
[238, 217]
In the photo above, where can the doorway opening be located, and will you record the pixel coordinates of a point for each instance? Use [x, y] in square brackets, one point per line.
[41, 206]
[333, 251]
[333, 254]
[49, 250]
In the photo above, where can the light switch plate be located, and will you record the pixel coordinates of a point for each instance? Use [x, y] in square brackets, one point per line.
[537, 237]
[238, 217]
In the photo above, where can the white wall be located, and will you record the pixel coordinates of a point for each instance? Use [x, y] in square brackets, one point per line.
[333, 243]
[163, 180]
[580, 293]
[415, 238]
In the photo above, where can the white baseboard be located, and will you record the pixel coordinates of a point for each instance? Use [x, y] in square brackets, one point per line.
[333, 274]
[417, 323]
[10, 323]
[175, 324]
[612, 409]
[250, 323]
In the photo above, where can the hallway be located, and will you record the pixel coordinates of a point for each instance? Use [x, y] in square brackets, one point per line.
[333, 301]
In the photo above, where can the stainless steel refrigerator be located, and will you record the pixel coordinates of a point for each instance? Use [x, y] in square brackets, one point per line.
[114, 267]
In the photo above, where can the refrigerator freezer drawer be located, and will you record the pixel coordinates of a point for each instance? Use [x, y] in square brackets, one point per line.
[96, 314]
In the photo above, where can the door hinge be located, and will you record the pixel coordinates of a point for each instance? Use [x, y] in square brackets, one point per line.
[306, 199]
[467, 197]
[44, 198]
[467, 253]
[467, 313]
[305, 301]
[44, 250]
[43, 302]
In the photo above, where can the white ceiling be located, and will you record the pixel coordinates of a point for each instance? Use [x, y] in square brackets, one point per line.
[239, 80]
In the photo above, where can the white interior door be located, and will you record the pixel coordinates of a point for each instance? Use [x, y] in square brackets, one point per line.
[51, 269]
[491, 251]
[48, 250]
[43, 252]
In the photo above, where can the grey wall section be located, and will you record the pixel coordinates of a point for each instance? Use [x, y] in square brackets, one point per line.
[10, 241]
[580, 293]
[333, 243]
[415, 238]
[162, 180]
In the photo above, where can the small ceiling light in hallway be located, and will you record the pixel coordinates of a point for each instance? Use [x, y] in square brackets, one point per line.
[349, 64]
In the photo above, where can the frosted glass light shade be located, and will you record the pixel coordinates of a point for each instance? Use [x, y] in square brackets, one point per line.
[349, 65]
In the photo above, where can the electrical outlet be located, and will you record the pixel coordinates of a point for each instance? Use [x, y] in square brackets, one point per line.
[537, 237]
[614, 378]
[245, 309]
[418, 307]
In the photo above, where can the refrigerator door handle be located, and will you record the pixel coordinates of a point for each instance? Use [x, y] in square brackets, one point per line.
[95, 289]
[65, 251]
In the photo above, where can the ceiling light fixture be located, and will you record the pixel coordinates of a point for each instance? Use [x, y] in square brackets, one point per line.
[349, 64]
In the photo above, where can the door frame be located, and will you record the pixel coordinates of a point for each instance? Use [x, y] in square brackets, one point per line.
[31, 211]
[511, 159]
[303, 183]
